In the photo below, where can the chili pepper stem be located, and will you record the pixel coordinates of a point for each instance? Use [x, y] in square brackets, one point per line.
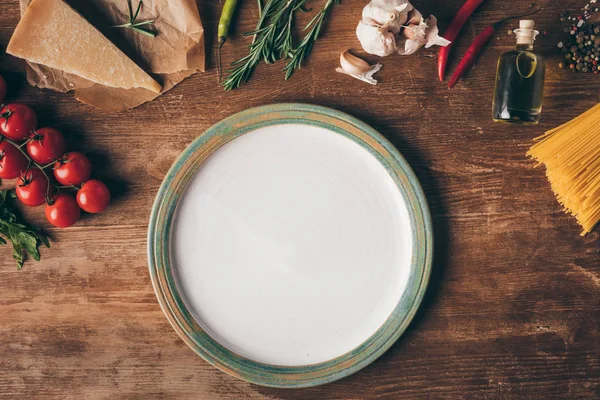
[497, 24]
[220, 43]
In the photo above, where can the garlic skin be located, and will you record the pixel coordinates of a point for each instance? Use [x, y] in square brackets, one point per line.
[426, 34]
[389, 26]
[357, 68]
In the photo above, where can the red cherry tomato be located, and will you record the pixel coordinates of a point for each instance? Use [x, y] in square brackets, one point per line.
[32, 188]
[93, 197]
[46, 145]
[17, 121]
[72, 169]
[12, 161]
[64, 211]
[2, 88]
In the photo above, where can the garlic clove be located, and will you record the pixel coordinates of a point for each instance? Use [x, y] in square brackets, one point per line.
[357, 68]
[376, 40]
[414, 17]
[433, 38]
[352, 64]
[366, 77]
[411, 32]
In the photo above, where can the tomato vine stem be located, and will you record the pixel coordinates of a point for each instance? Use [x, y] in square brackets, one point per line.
[31, 162]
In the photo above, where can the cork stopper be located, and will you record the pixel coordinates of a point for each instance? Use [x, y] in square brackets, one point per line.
[526, 24]
[526, 34]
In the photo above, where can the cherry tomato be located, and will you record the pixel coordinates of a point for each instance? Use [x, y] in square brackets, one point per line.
[93, 197]
[32, 188]
[2, 88]
[12, 161]
[46, 145]
[72, 169]
[64, 211]
[17, 121]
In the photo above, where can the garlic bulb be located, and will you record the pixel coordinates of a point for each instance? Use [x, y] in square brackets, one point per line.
[357, 68]
[387, 25]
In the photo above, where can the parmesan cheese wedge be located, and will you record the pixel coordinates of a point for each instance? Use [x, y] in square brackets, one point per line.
[53, 34]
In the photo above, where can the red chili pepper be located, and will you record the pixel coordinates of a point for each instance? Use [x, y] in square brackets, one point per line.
[477, 45]
[452, 32]
[472, 53]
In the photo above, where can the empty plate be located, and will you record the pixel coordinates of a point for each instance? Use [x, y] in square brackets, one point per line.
[290, 245]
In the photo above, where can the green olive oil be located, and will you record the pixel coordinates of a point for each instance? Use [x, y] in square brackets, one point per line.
[519, 91]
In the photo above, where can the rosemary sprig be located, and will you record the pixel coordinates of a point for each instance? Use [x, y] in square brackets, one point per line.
[273, 40]
[139, 27]
[266, 43]
[299, 54]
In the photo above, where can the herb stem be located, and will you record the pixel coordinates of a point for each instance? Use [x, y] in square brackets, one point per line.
[273, 39]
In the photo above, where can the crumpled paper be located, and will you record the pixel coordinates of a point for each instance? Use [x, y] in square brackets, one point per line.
[174, 54]
[389, 26]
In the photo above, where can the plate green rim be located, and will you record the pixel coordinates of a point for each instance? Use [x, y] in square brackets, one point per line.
[165, 286]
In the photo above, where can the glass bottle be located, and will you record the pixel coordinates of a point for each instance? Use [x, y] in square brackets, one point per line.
[520, 80]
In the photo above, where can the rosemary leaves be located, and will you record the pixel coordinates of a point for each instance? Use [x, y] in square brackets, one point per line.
[139, 27]
[273, 40]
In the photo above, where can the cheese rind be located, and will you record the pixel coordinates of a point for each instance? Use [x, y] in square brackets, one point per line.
[54, 34]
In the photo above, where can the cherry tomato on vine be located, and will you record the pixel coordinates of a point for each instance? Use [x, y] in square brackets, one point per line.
[32, 188]
[64, 211]
[12, 161]
[17, 121]
[93, 197]
[72, 169]
[46, 145]
[2, 88]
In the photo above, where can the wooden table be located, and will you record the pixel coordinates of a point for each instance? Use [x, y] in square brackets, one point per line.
[513, 307]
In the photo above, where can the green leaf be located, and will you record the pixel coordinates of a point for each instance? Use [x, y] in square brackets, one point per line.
[29, 242]
[151, 21]
[18, 254]
[143, 32]
[25, 239]
[130, 7]
[137, 12]
[135, 26]
[42, 238]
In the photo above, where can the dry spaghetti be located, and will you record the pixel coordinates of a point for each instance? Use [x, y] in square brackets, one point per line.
[571, 154]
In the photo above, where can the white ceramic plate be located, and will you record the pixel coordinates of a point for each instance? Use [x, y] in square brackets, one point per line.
[291, 245]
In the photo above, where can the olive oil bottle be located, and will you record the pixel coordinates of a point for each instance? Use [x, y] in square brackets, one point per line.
[519, 88]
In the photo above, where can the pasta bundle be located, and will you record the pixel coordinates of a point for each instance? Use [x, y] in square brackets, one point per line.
[571, 154]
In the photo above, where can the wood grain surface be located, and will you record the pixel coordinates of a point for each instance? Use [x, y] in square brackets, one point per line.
[513, 308]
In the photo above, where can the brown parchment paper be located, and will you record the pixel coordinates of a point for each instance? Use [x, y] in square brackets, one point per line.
[174, 54]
